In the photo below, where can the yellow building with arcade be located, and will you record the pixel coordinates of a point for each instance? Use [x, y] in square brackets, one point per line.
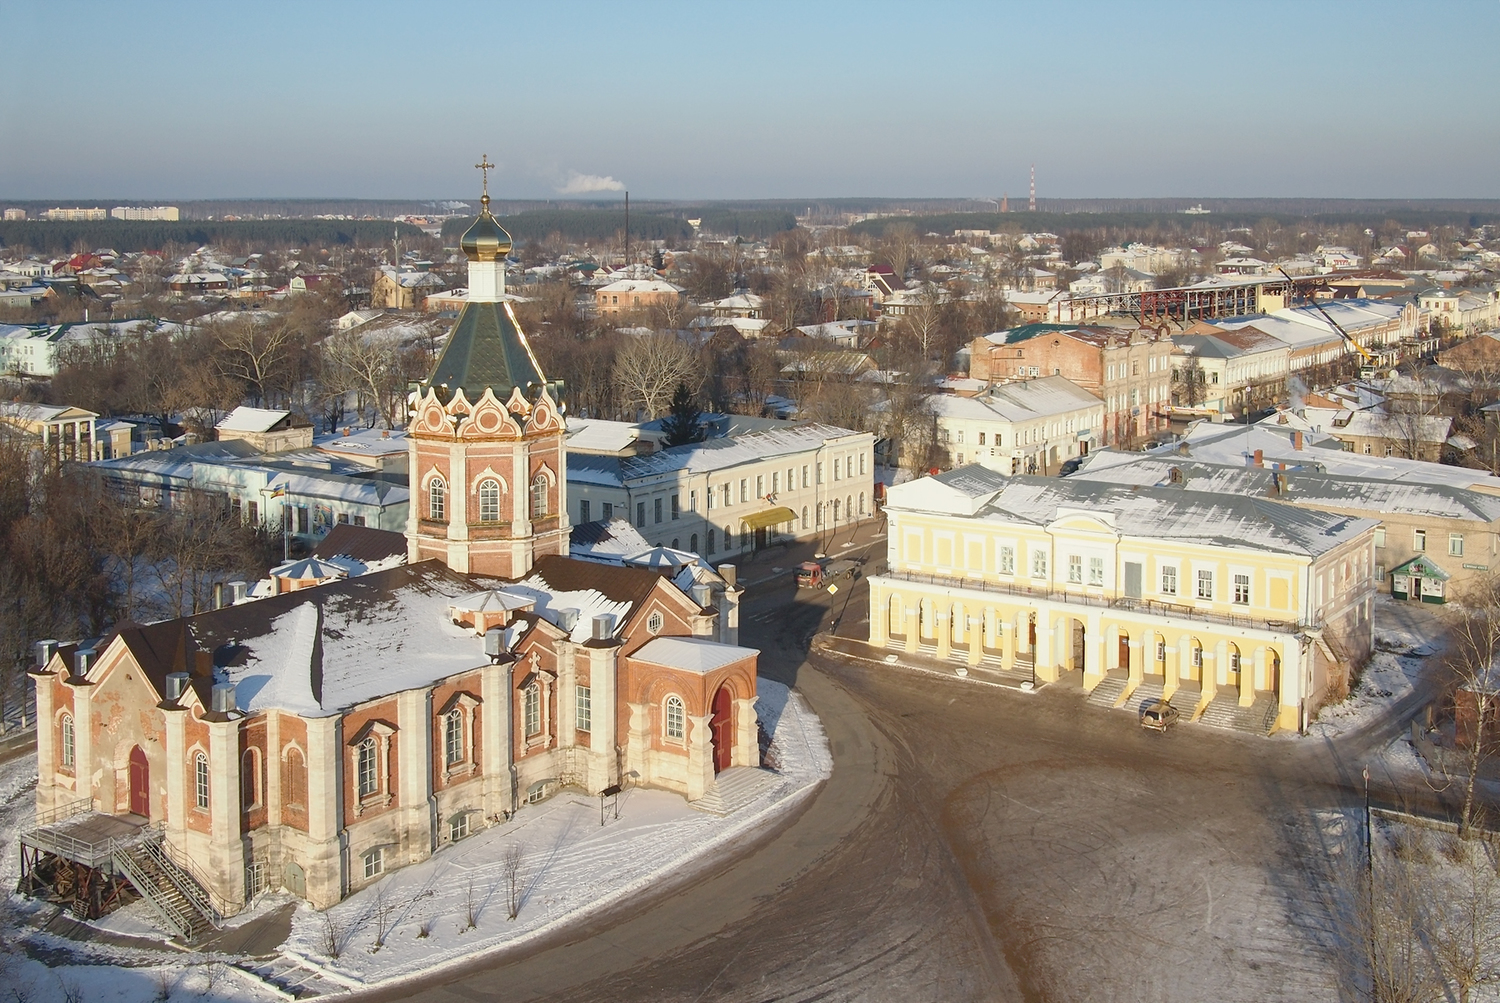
[1241, 611]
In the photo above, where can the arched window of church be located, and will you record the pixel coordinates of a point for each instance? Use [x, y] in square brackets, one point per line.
[489, 501]
[539, 497]
[437, 500]
[368, 768]
[200, 780]
[676, 718]
[532, 709]
[711, 548]
[453, 737]
[804, 516]
[67, 741]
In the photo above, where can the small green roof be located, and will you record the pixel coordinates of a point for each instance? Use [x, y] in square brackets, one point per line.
[1422, 568]
[487, 349]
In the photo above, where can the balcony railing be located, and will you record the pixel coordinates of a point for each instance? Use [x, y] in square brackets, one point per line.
[1072, 598]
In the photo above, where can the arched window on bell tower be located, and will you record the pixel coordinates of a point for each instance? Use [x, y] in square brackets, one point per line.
[437, 499]
[539, 497]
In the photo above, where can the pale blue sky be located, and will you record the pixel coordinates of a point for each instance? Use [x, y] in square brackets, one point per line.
[750, 100]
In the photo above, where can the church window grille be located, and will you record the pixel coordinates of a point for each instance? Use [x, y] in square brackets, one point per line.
[676, 720]
[453, 737]
[489, 501]
[200, 780]
[539, 497]
[67, 741]
[532, 709]
[368, 771]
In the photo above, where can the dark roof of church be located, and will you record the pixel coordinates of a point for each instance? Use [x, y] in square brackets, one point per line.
[487, 349]
[363, 543]
[618, 584]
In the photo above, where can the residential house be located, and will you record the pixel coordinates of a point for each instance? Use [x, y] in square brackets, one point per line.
[1127, 368]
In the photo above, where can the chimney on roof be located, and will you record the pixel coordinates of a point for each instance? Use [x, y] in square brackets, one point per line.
[223, 698]
[83, 660]
[238, 591]
[385, 433]
[1297, 439]
[729, 573]
[494, 644]
[702, 594]
[1260, 458]
[567, 619]
[346, 431]
[604, 627]
[176, 685]
[44, 652]
[218, 595]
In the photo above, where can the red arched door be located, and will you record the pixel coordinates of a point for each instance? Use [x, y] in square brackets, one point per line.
[722, 728]
[140, 783]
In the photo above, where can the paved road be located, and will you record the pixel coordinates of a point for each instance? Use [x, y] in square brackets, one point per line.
[983, 844]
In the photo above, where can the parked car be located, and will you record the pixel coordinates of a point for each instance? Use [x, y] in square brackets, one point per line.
[1158, 715]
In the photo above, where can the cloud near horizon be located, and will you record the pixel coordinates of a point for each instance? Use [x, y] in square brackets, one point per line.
[579, 184]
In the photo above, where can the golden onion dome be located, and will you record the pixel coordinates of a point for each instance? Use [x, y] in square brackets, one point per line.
[485, 239]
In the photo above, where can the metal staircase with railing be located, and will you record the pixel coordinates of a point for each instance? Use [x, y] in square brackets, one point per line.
[128, 846]
[176, 896]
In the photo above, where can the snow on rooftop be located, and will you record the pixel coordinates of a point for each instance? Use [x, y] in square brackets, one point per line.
[251, 419]
[695, 654]
[342, 645]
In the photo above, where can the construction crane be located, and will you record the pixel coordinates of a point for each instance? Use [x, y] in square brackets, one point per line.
[1333, 323]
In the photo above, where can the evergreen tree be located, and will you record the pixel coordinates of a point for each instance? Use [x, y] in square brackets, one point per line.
[681, 425]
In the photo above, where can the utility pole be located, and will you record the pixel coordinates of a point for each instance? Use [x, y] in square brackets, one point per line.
[1033, 188]
[627, 229]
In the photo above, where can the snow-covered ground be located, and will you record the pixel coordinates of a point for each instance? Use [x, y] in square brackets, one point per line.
[457, 904]
[1404, 646]
[90, 973]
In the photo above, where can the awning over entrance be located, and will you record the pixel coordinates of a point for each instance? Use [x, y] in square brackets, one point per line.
[1421, 567]
[770, 517]
[1419, 579]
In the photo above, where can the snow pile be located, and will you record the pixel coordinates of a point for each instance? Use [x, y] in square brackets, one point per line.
[457, 904]
[1402, 655]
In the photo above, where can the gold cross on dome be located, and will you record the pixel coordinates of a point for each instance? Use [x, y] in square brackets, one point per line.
[484, 166]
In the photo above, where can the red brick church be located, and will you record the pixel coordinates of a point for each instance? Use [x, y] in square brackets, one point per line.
[316, 738]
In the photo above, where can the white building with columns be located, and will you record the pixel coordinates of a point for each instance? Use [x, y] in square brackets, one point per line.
[1198, 598]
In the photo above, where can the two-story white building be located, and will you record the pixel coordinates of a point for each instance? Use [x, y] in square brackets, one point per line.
[1030, 427]
[1235, 609]
[732, 495]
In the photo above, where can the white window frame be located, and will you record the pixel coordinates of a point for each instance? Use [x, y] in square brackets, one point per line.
[1168, 577]
[1241, 588]
[1096, 571]
[201, 782]
[1455, 545]
[1203, 582]
[1007, 560]
[674, 718]
[1039, 563]
[583, 709]
[1075, 569]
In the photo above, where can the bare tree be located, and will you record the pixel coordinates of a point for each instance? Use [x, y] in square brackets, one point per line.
[1470, 661]
[257, 353]
[648, 369]
[511, 863]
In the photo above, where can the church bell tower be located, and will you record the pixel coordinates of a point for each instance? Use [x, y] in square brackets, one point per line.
[486, 460]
